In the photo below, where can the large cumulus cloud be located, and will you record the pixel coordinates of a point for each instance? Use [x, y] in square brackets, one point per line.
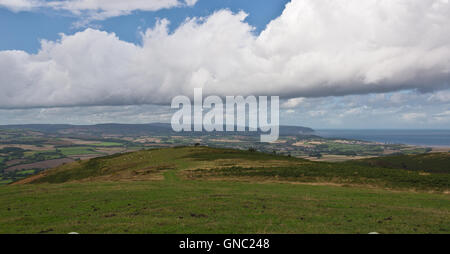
[315, 48]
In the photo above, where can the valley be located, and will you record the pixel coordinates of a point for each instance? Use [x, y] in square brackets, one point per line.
[29, 149]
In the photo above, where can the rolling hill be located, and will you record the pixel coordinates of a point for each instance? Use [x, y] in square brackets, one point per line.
[210, 190]
[427, 172]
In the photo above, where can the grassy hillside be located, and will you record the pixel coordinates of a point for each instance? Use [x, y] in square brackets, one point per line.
[429, 162]
[205, 190]
[208, 163]
[217, 207]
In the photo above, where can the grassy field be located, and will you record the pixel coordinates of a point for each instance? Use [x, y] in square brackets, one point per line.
[217, 207]
[69, 151]
[187, 190]
[26, 172]
[7, 181]
[107, 144]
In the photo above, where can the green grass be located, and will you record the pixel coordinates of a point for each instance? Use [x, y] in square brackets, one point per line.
[43, 155]
[215, 154]
[430, 162]
[107, 144]
[119, 163]
[415, 151]
[114, 196]
[91, 168]
[30, 153]
[235, 163]
[340, 173]
[217, 207]
[26, 172]
[350, 149]
[3, 182]
[69, 151]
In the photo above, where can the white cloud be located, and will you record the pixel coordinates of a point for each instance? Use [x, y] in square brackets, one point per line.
[444, 116]
[87, 115]
[102, 9]
[353, 111]
[442, 96]
[290, 111]
[96, 9]
[292, 103]
[318, 113]
[20, 5]
[315, 48]
[413, 116]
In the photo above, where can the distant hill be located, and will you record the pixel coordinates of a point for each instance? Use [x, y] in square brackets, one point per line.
[137, 129]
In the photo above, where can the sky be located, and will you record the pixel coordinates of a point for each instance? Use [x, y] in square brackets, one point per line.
[358, 64]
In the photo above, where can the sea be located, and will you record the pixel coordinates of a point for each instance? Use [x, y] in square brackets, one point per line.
[437, 138]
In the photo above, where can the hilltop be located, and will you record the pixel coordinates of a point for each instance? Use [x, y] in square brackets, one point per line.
[430, 171]
[211, 190]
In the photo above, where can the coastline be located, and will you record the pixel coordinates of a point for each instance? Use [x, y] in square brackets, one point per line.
[435, 139]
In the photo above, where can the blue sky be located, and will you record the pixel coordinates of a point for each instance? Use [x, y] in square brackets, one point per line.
[350, 64]
[23, 30]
